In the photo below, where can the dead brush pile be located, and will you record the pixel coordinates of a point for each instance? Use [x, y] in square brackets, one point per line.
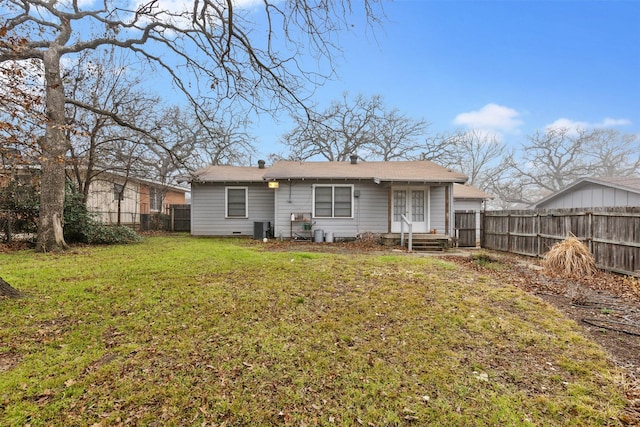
[570, 258]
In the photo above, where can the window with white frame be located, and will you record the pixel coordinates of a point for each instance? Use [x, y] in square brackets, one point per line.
[333, 201]
[236, 202]
[118, 192]
[155, 199]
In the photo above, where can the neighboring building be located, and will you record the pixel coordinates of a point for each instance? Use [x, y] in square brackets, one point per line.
[469, 200]
[594, 193]
[340, 198]
[136, 196]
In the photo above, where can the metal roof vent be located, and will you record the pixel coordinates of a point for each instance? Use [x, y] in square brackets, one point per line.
[354, 159]
[260, 164]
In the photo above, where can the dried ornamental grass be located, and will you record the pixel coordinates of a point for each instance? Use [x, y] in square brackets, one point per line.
[570, 258]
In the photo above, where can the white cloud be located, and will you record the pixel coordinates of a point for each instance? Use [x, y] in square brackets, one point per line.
[491, 117]
[179, 6]
[567, 124]
[607, 122]
[178, 12]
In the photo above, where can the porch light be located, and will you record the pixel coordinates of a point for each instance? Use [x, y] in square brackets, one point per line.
[274, 184]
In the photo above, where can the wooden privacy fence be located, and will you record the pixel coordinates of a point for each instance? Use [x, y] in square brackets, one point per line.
[180, 217]
[465, 226]
[612, 234]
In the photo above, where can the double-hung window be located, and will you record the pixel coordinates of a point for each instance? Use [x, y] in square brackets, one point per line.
[155, 199]
[333, 201]
[118, 192]
[236, 202]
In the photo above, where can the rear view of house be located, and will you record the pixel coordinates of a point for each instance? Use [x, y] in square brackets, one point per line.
[342, 199]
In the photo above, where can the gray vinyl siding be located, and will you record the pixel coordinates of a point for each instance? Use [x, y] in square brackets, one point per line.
[467, 205]
[370, 209]
[208, 209]
[593, 196]
[438, 209]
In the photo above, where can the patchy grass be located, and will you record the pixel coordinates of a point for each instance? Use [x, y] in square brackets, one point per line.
[184, 331]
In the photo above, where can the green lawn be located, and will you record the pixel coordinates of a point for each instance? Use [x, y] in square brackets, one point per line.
[184, 331]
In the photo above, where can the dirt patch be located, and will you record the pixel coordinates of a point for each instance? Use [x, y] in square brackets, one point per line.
[8, 361]
[605, 305]
[16, 245]
[370, 246]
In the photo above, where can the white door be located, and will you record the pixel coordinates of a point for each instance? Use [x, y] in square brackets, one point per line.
[412, 203]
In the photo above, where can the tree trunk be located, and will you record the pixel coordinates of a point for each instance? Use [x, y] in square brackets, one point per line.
[54, 147]
[7, 291]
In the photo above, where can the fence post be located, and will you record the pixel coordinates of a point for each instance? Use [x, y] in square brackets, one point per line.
[590, 231]
[509, 232]
[537, 230]
[481, 225]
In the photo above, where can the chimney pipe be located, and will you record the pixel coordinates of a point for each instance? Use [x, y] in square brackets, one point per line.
[260, 164]
[354, 159]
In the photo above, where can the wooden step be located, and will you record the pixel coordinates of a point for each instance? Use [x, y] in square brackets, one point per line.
[420, 245]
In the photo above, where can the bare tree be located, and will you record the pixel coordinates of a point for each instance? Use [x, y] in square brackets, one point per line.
[21, 111]
[103, 80]
[553, 159]
[222, 52]
[396, 136]
[217, 138]
[612, 153]
[506, 186]
[360, 126]
[439, 149]
[474, 153]
[343, 129]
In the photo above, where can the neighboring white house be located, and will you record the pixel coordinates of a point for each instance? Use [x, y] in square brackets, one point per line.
[136, 196]
[594, 193]
[341, 198]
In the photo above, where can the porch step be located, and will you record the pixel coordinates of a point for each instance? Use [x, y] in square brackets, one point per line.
[421, 241]
[426, 245]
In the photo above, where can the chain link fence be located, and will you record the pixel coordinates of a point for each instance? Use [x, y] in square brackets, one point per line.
[16, 226]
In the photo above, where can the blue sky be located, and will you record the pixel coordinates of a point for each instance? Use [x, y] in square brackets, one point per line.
[510, 67]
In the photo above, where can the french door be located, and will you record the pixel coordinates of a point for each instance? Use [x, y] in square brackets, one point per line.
[412, 203]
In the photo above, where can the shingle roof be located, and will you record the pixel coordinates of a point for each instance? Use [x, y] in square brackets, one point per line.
[461, 191]
[407, 171]
[229, 174]
[624, 183]
[630, 183]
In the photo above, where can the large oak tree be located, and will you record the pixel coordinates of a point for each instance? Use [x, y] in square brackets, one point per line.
[208, 48]
[361, 125]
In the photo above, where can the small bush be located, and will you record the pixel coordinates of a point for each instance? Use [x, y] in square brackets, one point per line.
[483, 258]
[81, 226]
[78, 221]
[21, 201]
[100, 234]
